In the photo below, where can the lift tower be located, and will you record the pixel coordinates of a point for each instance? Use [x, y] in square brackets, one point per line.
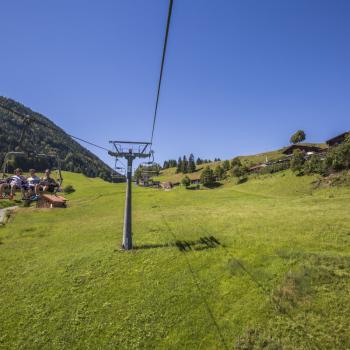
[129, 150]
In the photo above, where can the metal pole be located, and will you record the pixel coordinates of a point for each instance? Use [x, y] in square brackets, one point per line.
[127, 232]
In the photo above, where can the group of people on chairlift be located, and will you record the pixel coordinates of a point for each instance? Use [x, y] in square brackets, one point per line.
[30, 186]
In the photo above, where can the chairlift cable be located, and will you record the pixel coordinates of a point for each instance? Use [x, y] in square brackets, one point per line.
[162, 67]
[31, 119]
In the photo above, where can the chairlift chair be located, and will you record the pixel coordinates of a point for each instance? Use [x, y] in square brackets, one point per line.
[55, 165]
[118, 175]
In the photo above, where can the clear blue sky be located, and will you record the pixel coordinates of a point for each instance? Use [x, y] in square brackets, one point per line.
[240, 76]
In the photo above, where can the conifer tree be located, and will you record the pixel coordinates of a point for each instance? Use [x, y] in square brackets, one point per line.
[179, 166]
[184, 165]
[191, 164]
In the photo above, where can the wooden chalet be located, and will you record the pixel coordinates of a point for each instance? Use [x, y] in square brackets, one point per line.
[337, 140]
[307, 149]
[196, 181]
[257, 168]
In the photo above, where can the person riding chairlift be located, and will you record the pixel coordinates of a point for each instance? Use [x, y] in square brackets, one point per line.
[15, 182]
[33, 183]
[48, 183]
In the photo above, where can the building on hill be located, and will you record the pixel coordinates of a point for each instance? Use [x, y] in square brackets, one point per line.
[337, 140]
[257, 168]
[195, 181]
[307, 149]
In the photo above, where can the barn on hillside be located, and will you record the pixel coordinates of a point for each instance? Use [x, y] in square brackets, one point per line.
[337, 140]
[307, 149]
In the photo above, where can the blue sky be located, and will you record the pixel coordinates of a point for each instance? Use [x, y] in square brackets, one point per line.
[240, 76]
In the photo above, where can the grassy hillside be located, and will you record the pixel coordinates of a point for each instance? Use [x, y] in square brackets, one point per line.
[249, 160]
[41, 139]
[279, 279]
[272, 155]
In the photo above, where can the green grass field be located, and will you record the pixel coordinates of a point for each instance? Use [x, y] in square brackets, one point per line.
[279, 279]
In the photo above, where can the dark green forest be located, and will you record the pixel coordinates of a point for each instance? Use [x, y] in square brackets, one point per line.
[41, 139]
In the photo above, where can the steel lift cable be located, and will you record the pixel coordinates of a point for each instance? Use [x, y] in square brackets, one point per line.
[170, 10]
[31, 119]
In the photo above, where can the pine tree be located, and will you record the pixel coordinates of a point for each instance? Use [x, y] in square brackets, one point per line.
[191, 164]
[199, 161]
[184, 165]
[179, 166]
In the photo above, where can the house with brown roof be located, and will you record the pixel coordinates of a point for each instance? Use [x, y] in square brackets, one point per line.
[337, 140]
[257, 168]
[307, 149]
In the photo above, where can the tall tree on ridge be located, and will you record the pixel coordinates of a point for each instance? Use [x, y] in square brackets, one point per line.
[191, 164]
[299, 136]
[184, 165]
[179, 166]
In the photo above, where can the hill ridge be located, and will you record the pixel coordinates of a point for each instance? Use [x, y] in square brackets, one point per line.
[74, 157]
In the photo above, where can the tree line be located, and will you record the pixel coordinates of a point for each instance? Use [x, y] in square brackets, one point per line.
[186, 165]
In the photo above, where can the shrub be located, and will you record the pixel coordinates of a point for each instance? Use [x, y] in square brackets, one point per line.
[207, 177]
[226, 165]
[69, 189]
[297, 161]
[236, 162]
[239, 171]
[314, 165]
[186, 181]
[275, 168]
[219, 172]
[338, 158]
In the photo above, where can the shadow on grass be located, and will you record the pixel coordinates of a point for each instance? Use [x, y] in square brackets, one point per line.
[242, 181]
[203, 243]
[214, 185]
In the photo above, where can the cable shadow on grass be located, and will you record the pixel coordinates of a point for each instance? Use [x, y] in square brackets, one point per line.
[203, 243]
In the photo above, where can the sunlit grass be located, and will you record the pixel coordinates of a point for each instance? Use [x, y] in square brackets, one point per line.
[279, 277]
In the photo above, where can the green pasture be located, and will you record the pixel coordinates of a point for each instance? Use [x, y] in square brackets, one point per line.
[261, 265]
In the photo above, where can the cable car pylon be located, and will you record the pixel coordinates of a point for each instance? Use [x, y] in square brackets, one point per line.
[126, 149]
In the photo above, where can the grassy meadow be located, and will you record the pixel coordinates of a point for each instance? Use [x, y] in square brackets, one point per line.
[261, 265]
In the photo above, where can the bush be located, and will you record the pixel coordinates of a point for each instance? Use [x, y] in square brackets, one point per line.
[219, 172]
[68, 189]
[186, 181]
[239, 171]
[275, 168]
[297, 161]
[226, 165]
[338, 158]
[314, 165]
[236, 162]
[207, 177]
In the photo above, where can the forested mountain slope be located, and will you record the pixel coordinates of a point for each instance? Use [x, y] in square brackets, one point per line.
[74, 157]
